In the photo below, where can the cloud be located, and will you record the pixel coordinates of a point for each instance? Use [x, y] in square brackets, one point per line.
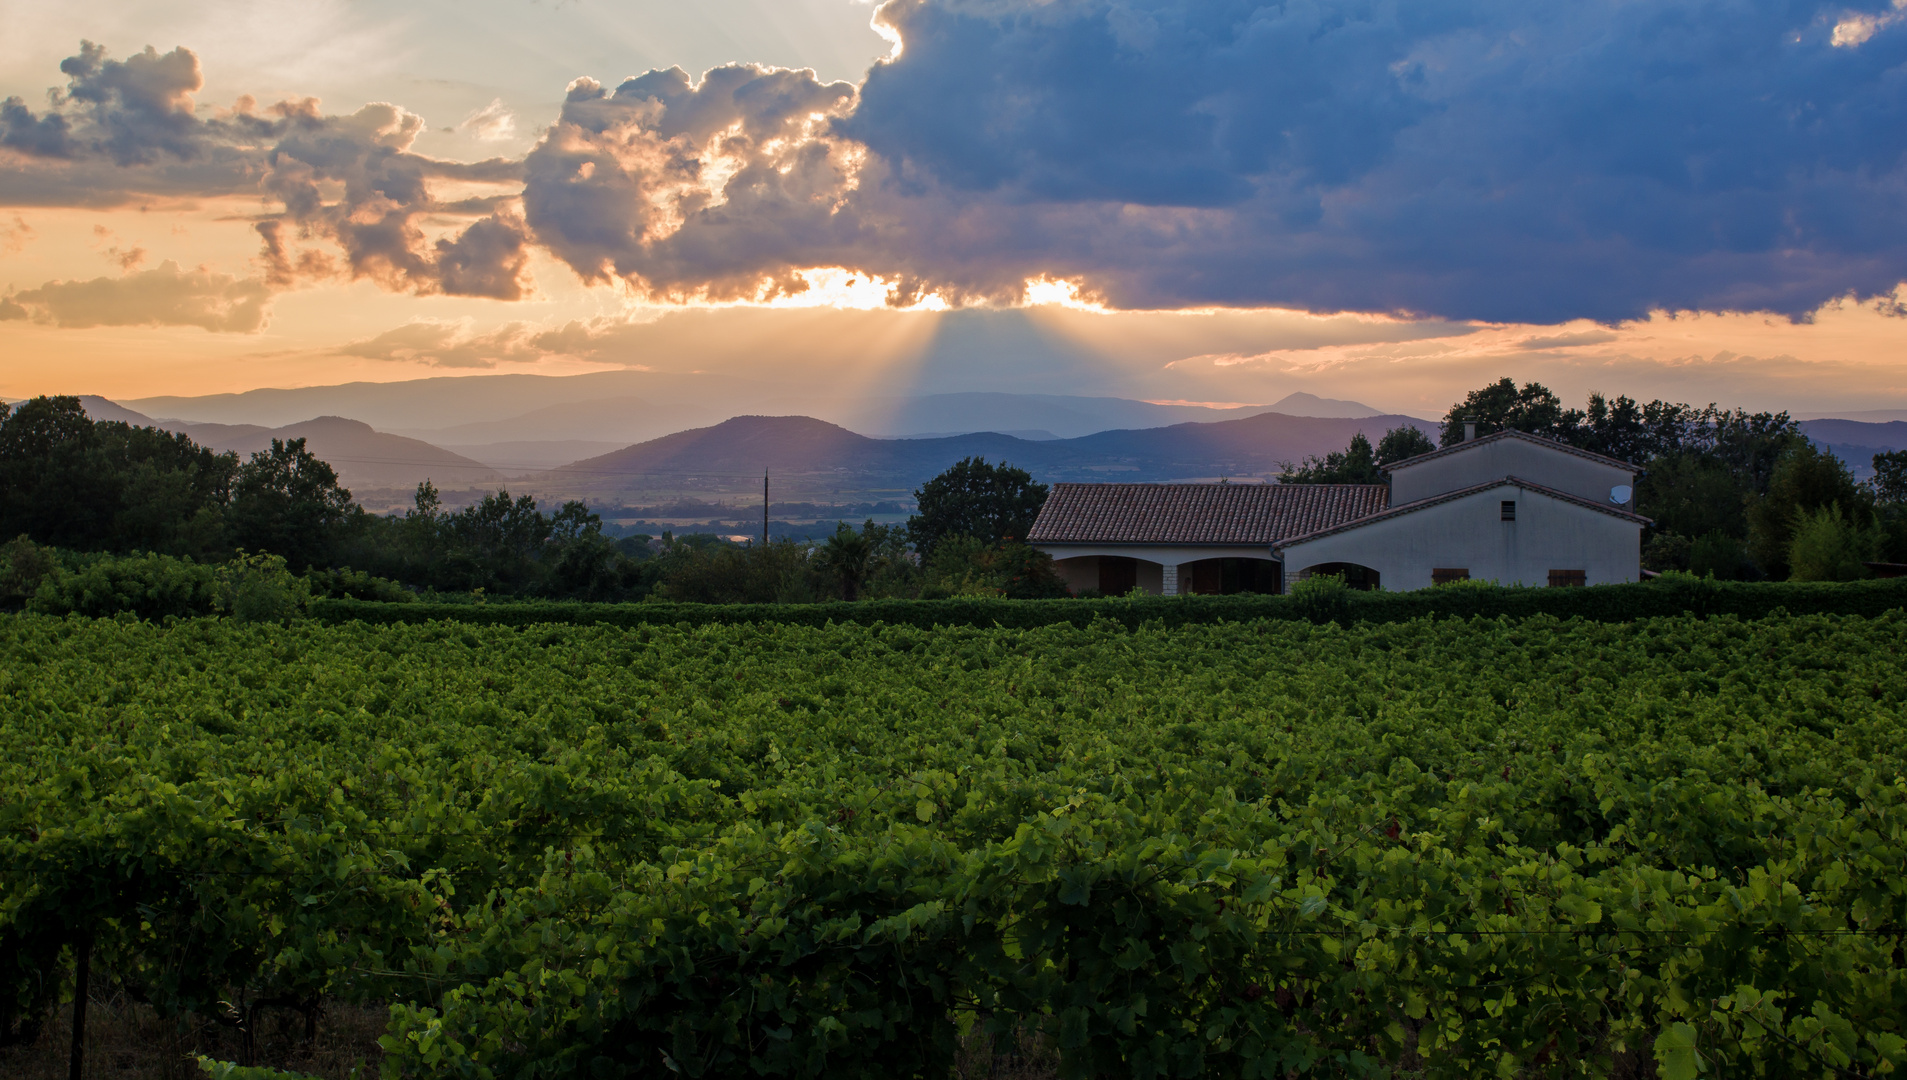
[163, 296]
[122, 130]
[128, 258]
[1480, 159]
[1568, 341]
[15, 235]
[449, 344]
[1491, 160]
[140, 107]
[386, 192]
[718, 188]
[492, 123]
[1855, 28]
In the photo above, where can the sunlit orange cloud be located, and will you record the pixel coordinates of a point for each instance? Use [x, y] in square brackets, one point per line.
[838, 336]
[1848, 357]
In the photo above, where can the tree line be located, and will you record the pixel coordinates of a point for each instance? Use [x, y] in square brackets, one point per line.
[1731, 494]
[86, 489]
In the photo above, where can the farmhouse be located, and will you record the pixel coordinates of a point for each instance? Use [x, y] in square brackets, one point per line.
[1509, 507]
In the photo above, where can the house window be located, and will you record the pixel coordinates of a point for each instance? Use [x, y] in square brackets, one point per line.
[1509, 509]
[1561, 578]
[1444, 575]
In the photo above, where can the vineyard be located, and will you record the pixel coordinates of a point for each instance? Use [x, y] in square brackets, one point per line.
[1438, 847]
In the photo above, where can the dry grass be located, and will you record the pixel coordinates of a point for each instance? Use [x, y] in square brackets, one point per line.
[126, 1041]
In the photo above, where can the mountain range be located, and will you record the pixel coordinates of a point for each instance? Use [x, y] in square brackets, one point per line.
[1856, 442]
[629, 435]
[817, 457]
[518, 424]
[365, 459]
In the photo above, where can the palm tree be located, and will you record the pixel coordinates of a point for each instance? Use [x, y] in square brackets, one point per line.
[846, 555]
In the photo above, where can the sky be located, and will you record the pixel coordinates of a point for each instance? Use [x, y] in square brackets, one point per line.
[1222, 201]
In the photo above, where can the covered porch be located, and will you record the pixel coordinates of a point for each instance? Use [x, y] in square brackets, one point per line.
[1161, 570]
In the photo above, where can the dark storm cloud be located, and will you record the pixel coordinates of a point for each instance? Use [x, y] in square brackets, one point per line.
[1530, 161]
[1506, 160]
[386, 190]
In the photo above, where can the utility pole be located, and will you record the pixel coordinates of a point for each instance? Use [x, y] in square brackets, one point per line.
[764, 509]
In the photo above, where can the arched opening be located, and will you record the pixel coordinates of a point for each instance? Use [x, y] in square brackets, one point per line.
[1357, 577]
[1221, 577]
[1110, 575]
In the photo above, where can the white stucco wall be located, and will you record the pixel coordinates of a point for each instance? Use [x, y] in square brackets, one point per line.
[1548, 534]
[1534, 462]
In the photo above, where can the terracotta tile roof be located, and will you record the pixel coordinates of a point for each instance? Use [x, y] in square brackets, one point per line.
[1448, 496]
[1522, 436]
[1199, 513]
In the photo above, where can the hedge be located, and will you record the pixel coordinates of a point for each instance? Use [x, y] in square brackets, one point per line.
[1602, 603]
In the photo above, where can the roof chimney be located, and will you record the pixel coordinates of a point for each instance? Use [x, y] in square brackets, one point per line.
[1469, 431]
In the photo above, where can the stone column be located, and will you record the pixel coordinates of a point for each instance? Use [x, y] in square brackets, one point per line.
[1170, 574]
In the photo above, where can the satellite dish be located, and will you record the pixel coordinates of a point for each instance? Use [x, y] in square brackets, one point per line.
[1621, 494]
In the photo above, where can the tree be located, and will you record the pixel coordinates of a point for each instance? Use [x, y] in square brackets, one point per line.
[1500, 406]
[287, 502]
[173, 493]
[494, 545]
[1889, 482]
[583, 564]
[53, 481]
[1807, 478]
[1403, 442]
[1694, 494]
[1622, 429]
[966, 566]
[1750, 444]
[69, 481]
[1829, 546]
[992, 503]
[845, 556]
[1359, 463]
[1355, 464]
[704, 570]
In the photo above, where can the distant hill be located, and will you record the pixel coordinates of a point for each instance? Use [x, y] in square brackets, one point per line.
[622, 420]
[516, 458]
[1856, 441]
[633, 406]
[1867, 416]
[1063, 416]
[364, 458]
[1890, 435]
[814, 454]
[443, 402]
[99, 408]
[1252, 446]
[1302, 404]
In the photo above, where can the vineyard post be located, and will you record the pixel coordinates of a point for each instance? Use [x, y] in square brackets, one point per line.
[82, 976]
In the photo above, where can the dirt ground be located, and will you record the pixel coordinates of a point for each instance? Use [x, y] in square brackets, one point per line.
[125, 1041]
